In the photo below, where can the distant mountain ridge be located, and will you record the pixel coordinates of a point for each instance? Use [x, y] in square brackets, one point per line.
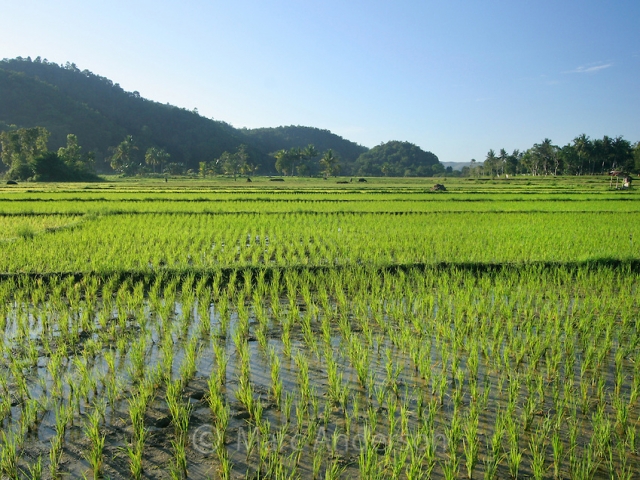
[459, 165]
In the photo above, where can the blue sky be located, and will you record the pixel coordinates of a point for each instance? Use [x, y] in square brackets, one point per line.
[455, 77]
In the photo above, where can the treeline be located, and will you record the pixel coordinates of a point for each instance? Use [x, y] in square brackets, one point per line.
[582, 156]
[26, 156]
[296, 136]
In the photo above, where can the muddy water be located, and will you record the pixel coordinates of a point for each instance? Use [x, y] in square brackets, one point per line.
[320, 431]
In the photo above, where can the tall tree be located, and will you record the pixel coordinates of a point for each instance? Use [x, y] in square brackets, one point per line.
[283, 161]
[20, 147]
[72, 153]
[584, 150]
[310, 152]
[122, 156]
[570, 160]
[234, 163]
[296, 154]
[73, 157]
[156, 156]
[330, 163]
[502, 160]
[306, 165]
[203, 169]
[513, 162]
[621, 154]
[602, 154]
[547, 155]
[491, 163]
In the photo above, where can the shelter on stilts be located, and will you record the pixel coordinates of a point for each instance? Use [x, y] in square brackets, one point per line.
[626, 179]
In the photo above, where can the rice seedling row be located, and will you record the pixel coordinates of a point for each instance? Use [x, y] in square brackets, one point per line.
[374, 332]
[150, 243]
[343, 373]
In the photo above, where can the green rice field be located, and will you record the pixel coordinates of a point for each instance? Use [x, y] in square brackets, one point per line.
[221, 329]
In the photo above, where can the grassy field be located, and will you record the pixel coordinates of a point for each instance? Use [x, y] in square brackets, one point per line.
[309, 329]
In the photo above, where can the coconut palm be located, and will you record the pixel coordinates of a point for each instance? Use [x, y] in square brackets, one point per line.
[330, 163]
[156, 156]
[491, 163]
[123, 154]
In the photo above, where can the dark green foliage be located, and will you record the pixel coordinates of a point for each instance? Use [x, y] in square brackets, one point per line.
[22, 171]
[25, 152]
[101, 113]
[398, 159]
[65, 99]
[291, 137]
[18, 148]
[50, 167]
[29, 102]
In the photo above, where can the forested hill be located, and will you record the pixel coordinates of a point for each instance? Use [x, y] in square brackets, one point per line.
[65, 99]
[29, 102]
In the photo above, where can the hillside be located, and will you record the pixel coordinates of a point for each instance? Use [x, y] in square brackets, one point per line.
[398, 159]
[65, 99]
[28, 102]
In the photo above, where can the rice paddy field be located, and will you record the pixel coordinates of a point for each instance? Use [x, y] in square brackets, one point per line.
[308, 329]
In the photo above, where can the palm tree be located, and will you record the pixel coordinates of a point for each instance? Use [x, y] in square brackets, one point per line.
[330, 163]
[122, 154]
[304, 156]
[502, 159]
[547, 156]
[295, 154]
[490, 163]
[310, 152]
[156, 156]
[584, 148]
[283, 161]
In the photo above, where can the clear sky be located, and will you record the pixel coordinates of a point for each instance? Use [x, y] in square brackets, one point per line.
[455, 77]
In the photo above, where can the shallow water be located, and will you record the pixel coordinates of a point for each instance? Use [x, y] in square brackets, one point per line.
[444, 324]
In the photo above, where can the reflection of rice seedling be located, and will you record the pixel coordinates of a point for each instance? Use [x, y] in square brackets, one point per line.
[396, 349]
